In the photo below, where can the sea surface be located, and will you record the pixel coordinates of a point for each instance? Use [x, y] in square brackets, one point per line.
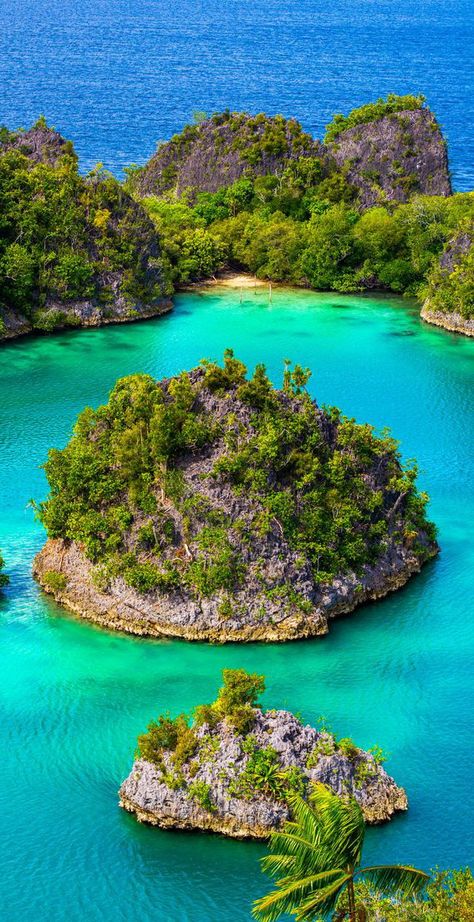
[74, 697]
[116, 76]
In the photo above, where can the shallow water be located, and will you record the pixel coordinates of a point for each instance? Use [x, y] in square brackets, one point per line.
[116, 76]
[73, 697]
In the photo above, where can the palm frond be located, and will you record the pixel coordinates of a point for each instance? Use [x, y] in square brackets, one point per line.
[290, 893]
[322, 902]
[397, 878]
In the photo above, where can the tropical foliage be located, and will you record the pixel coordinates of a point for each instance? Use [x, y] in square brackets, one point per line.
[371, 112]
[449, 897]
[307, 230]
[65, 237]
[316, 860]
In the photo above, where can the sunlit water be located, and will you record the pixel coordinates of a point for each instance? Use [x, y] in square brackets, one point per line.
[74, 698]
[117, 76]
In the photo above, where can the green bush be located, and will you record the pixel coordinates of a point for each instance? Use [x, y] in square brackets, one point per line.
[371, 113]
[54, 581]
[201, 792]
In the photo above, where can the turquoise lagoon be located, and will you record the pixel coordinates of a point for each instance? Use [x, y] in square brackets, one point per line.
[73, 697]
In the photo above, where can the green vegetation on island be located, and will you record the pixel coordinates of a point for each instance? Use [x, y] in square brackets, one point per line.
[235, 768]
[372, 112]
[146, 485]
[67, 238]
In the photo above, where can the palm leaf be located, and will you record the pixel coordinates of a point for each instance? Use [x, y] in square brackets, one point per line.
[290, 893]
[322, 902]
[397, 878]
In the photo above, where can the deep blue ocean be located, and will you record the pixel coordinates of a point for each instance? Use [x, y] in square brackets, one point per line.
[117, 76]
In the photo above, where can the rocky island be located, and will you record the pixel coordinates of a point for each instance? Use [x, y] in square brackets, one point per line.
[231, 768]
[74, 251]
[214, 507]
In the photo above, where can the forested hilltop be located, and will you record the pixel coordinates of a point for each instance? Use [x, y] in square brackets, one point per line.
[368, 208]
[212, 506]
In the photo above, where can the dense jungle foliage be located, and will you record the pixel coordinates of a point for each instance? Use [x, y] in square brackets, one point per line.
[64, 236]
[119, 486]
[297, 229]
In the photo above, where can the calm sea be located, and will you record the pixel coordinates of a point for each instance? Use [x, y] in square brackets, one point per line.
[117, 76]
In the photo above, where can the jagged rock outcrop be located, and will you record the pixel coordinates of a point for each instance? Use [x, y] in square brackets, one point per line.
[41, 144]
[450, 298]
[239, 526]
[219, 787]
[388, 159]
[74, 250]
[394, 157]
[222, 149]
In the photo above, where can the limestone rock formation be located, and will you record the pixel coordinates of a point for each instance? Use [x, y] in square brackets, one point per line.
[235, 781]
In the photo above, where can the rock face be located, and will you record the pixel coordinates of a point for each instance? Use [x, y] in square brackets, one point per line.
[394, 157]
[222, 149]
[450, 300]
[41, 144]
[388, 159]
[217, 795]
[216, 560]
[88, 255]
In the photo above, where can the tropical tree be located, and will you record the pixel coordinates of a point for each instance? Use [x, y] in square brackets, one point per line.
[316, 859]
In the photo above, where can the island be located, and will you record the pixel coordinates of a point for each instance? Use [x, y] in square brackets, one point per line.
[230, 769]
[213, 506]
[75, 250]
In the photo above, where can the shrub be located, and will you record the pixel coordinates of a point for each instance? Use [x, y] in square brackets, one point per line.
[201, 792]
[54, 580]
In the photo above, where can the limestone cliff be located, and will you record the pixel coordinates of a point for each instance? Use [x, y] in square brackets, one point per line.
[388, 159]
[394, 157]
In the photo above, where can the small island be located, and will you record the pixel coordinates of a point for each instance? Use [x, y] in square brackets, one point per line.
[230, 769]
[212, 506]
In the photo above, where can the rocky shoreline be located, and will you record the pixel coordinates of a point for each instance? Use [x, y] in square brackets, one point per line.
[82, 315]
[453, 322]
[124, 609]
[220, 790]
